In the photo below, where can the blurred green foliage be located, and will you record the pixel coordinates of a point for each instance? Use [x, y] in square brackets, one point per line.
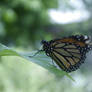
[26, 22]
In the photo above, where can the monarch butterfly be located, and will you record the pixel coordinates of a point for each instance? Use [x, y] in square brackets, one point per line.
[68, 52]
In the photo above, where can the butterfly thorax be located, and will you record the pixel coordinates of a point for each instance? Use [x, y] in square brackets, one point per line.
[47, 47]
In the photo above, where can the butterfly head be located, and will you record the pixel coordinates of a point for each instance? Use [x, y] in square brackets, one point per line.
[43, 42]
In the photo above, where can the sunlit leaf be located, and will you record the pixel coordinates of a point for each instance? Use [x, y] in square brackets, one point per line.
[40, 59]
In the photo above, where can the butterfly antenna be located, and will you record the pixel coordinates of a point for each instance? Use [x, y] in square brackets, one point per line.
[36, 53]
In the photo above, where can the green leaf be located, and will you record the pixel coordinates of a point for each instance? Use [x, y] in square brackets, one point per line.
[40, 59]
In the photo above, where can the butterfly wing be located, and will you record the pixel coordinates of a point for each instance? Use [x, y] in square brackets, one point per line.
[70, 52]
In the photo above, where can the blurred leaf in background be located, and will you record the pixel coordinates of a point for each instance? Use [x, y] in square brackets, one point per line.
[24, 22]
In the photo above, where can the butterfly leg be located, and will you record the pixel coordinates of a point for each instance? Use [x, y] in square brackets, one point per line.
[36, 53]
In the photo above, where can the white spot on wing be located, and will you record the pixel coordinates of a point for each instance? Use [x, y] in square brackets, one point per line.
[86, 37]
